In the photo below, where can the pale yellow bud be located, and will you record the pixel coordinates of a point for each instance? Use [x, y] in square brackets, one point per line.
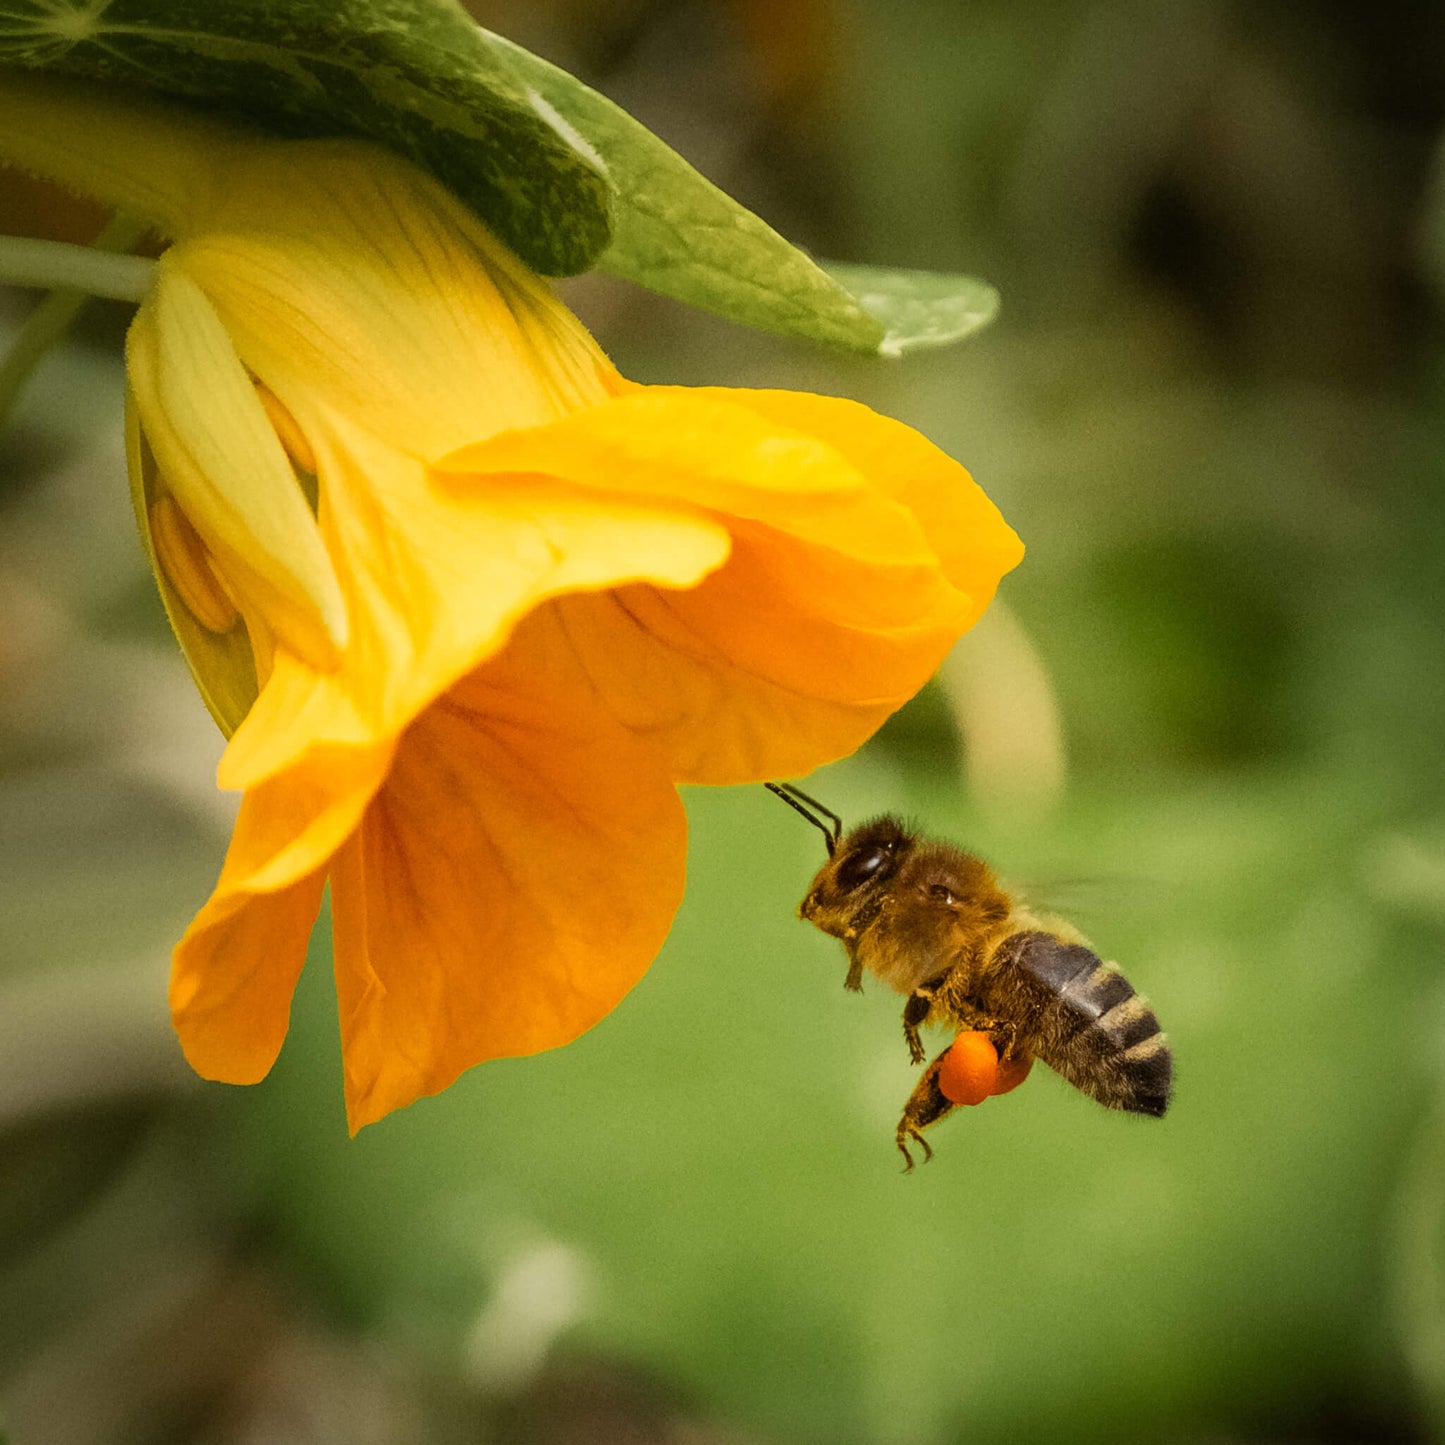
[221, 456]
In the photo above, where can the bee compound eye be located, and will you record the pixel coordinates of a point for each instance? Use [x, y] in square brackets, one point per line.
[858, 869]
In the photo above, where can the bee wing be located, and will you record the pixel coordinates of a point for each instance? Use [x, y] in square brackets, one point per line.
[1073, 905]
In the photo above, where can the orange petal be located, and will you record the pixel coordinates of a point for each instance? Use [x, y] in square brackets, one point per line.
[294, 822]
[510, 883]
[435, 578]
[233, 974]
[962, 525]
[835, 606]
[712, 719]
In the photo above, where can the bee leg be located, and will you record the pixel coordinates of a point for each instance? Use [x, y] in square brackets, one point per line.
[1003, 1034]
[926, 1105]
[854, 982]
[903, 1137]
[915, 1011]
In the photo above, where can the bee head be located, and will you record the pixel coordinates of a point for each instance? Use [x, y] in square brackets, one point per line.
[864, 859]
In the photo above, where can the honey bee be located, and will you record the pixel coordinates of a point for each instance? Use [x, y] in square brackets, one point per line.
[934, 923]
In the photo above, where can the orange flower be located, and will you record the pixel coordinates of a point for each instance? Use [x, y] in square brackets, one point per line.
[471, 603]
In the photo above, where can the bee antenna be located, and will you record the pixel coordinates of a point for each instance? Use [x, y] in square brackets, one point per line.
[796, 799]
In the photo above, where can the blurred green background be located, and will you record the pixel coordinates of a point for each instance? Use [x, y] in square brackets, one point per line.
[1206, 724]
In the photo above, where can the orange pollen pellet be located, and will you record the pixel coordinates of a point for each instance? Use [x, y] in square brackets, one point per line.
[188, 567]
[1011, 1073]
[292, 438]
[969, 1069]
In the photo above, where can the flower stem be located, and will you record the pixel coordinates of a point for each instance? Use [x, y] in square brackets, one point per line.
[27, 262]
[47, 323]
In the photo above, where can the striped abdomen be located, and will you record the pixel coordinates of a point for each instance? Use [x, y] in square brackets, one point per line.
[1083, 1019]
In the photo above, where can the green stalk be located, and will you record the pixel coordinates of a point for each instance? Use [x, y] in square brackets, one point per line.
[27, 262]
[49, 322]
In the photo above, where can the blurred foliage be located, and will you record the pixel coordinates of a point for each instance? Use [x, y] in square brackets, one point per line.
[1214, 408]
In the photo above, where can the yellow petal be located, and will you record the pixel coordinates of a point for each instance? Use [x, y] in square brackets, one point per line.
[511, 882]
[709, 449]
[221, 457]
[353, 283]
[437, 578]
[154, 160]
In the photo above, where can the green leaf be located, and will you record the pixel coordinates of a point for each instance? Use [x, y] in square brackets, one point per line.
[677, 233]
[417, 76]
[564, 176]
[919, 309]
